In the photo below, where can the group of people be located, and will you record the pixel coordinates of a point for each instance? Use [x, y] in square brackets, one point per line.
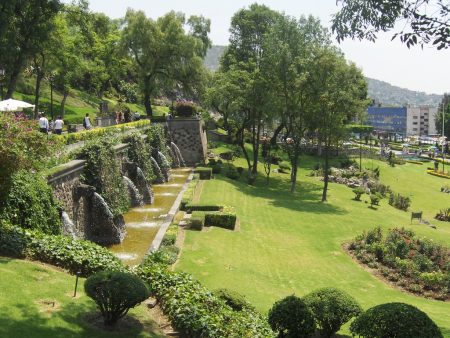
[57, 126]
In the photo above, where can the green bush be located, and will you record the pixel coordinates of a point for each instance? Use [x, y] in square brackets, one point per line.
[203, 207]
[232, 173]
[398, 201]
[115, 293]
[375, 199]
[290, 317]
[216, 169]
[212, 162]
[284, 167]
[226, 220]
[204, 173]
[358, 193]
[331, 308]
[395, 320]
[30, 204]
[169, 239]
[185, 109]
[196, 311]
[233, 299]
[166, 255]
[197, 220]
[73, 255]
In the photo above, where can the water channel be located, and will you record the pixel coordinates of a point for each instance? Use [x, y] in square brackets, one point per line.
[142, 223]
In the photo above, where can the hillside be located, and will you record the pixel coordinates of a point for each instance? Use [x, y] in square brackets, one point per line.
[380, 91]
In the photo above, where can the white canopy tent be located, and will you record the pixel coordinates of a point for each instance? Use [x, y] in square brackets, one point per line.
[14, 105]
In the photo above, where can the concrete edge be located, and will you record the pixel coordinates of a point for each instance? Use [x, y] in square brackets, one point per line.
[169, 218]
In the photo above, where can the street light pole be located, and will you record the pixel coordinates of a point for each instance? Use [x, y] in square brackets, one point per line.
[443, 136]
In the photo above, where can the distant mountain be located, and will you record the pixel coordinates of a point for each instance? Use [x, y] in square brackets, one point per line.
[382, 92]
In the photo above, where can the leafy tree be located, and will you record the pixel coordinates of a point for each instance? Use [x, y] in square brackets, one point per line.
[332, 308]
[424, 22]
[163, 53]
[291, 318]
[25, 25]
[339, 93]
[395, 320]
[115, 293]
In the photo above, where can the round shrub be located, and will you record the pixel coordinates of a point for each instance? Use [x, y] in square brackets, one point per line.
[115, 293]
[359, 191]
[216, 169]
[331, 308]
[291, 318]
[284, 167]
[185, 109]
[397, 320]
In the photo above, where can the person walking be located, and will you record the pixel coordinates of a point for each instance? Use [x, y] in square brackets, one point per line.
[58, 125]
[87, 122]
[43, 124]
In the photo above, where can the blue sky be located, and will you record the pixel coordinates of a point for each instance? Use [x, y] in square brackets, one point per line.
[423, 70]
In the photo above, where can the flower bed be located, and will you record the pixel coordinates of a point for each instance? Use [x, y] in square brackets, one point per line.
[415, 264]
[438, 174]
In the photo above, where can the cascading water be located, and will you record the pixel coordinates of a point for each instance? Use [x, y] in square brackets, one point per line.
[144, 186]
[164, 165]
[175, 161]
[104, 229]
[136, 198]
[177, 152]
[68, 226]
[157, 171]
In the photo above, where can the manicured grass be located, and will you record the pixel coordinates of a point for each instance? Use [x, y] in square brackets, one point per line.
[27, 293]
[292, 243]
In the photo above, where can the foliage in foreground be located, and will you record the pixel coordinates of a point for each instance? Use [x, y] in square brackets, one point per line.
[395, 320]
[331, 308]
[417, 264]
[76, 256]
[115, 293]
[291, 318]
[197, 311]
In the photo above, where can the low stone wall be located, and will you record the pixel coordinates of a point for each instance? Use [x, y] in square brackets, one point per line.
[189, 135]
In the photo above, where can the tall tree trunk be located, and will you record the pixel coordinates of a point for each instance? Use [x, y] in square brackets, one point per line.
[37, 91]
[14, 76]
[63, 102]
[278, 130]
[319, 145]
[147, 101]
[294, 164]
[325, 178]
[240, 141]
[256, 137]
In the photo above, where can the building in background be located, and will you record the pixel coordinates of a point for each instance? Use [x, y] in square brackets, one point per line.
[405, 121]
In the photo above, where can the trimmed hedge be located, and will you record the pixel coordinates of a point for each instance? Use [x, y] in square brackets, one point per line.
[203, 207]
[226, 220]
[204, 172]
[195, 310]
[197, 221]
[73, 255]
[188, 195]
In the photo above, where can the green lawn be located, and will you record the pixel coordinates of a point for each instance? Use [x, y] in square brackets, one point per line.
[27, 293]
[291, 243]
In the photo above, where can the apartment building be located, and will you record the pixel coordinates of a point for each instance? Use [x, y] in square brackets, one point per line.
[421, 121]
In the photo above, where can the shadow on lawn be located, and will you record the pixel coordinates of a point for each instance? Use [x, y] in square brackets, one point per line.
[35, 322]
[307, 196]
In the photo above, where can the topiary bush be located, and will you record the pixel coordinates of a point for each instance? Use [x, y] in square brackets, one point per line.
[203, 207]
[226, 220]
[197, 220]
[205, 173]
[30, 204]
[331, 308]
[358, 193]
[375, 199]
[284, 167]
[115, 293]
[291, 318]
[232, 173]
[185, 109]
[216, 169]
[395, 320]
[400, 202]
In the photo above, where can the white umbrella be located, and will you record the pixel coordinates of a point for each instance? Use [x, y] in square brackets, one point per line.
[14, 105]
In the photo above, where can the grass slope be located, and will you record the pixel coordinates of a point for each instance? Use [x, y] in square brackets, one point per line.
[27, 291]
[291, 243]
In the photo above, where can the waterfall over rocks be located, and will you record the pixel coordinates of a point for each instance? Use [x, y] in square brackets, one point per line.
[135, 197]
[164, 165]
[175, 161]
[68, 226]
[94, 219]
[157, 171]
[137, 176]
[143, 186]
[177, 152]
